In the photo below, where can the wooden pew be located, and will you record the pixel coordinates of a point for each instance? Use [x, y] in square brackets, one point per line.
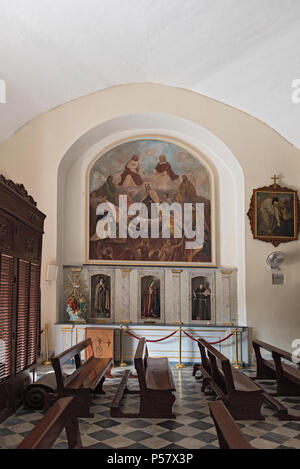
[204, 368]
[229, 434]
[155, 383]
[287, 377]
[241, 395]
[88, 377]
[61, 415]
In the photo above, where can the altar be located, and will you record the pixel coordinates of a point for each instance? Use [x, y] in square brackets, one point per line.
[235, 347]
[155, 258]
[118, 298]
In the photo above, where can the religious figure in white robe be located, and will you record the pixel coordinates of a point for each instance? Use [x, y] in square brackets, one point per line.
[163, 175]
[131, 175]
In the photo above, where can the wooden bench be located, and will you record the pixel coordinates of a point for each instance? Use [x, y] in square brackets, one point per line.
[61, 415]
[204, 368]
[155, 387]
[229, 434]
[241, 395]
[88, 377]
[287, 377]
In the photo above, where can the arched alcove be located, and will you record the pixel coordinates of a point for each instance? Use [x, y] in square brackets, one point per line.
[229, 181]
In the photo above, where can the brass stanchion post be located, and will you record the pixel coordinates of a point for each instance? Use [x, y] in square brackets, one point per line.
[237, 363]
[180, 364]
[122, 363]
[47, 361]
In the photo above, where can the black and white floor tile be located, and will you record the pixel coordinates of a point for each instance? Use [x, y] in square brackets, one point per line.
[192, 429]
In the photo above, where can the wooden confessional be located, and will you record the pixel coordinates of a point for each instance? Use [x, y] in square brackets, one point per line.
[21, 232]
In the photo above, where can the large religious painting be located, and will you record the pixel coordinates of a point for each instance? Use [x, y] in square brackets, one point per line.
[202, 299]
[150, 201]
[150, 298]
[273, 214]
[100, 297]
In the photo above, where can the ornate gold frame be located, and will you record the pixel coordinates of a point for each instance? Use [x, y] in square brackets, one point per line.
[253, 214]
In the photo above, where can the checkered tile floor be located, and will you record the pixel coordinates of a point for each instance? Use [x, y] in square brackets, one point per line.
[192, 429]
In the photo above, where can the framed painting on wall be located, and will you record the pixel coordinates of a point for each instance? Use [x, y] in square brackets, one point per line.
[273, 214]
[174, 185]
[202, 298]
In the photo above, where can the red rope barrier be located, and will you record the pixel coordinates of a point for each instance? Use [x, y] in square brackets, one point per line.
[148, 340]
[211, 343]
[170, 335]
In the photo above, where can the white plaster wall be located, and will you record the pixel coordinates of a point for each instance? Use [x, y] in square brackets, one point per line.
[33, 155]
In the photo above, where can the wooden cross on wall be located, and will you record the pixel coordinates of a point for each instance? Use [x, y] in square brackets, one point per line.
[275, 178]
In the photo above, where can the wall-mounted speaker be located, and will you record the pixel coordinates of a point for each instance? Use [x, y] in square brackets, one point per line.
[51, 273]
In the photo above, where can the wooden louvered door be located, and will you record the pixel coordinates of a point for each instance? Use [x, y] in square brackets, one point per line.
[27, 314]
[33, 321]
[6, 314]
[7, 322]
[22, 315]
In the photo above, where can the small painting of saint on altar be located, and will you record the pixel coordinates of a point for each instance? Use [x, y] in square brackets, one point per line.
[150, 297]
[100, 297]
[201, 299]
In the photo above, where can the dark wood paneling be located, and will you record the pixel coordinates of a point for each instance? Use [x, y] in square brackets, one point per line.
[21, 231]
[7, 232]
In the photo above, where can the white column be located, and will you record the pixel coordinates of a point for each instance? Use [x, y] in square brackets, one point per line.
[226, 309]
[124, 314]
[176, 300]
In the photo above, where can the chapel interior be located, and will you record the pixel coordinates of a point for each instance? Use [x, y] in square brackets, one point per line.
[149, 225]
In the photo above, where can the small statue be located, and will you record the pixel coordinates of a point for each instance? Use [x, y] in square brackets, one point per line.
[82, 306]
[102, 299]
[73, 309]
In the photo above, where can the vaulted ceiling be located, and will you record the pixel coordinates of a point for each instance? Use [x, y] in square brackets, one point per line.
[244, 53]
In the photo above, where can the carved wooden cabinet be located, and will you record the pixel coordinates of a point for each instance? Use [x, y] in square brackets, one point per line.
[21, 231]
